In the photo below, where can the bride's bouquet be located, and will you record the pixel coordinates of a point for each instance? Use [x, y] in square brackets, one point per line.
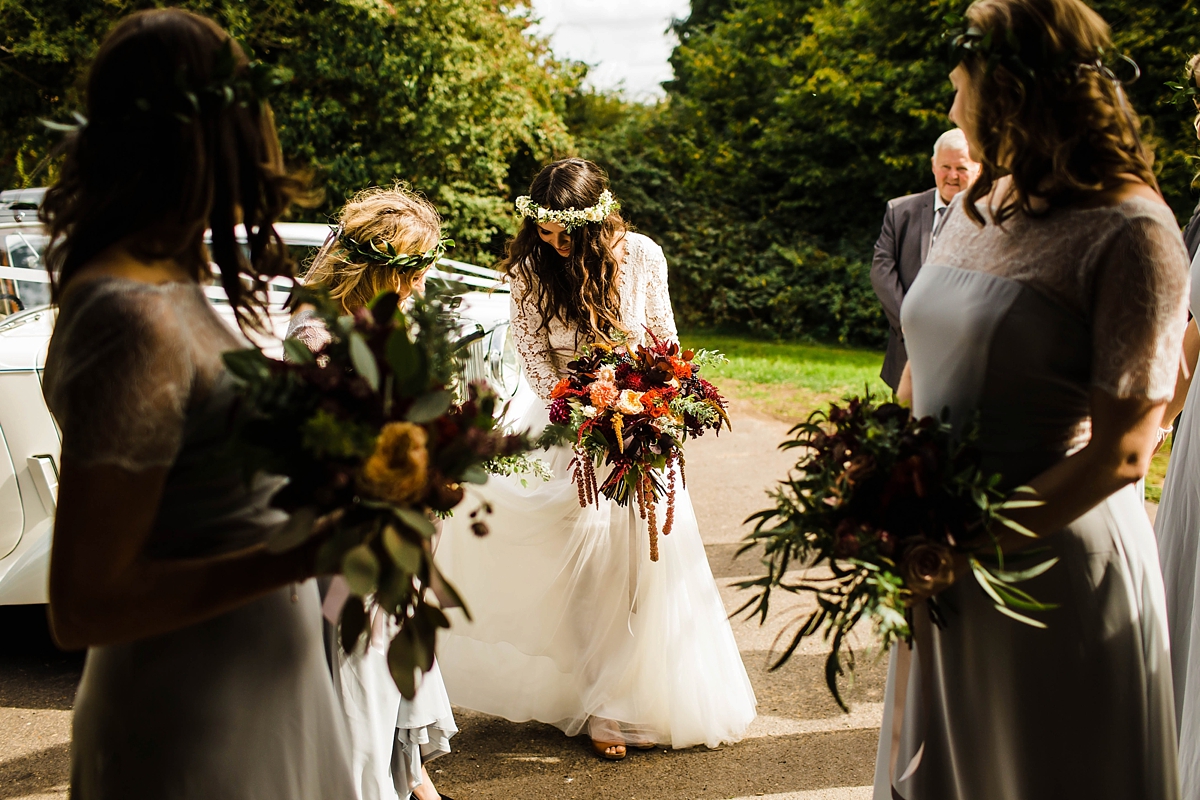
[632, 408]
[876, 512]
[375, 435]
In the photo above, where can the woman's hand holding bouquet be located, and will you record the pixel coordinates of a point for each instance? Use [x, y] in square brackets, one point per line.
[376, 437]
[894, 509]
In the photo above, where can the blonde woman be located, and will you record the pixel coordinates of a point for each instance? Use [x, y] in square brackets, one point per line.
[387, 240]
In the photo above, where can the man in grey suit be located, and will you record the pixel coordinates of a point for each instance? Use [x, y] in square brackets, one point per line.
[909, 227]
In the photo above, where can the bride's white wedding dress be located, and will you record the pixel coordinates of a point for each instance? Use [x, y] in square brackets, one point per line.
[570, 618]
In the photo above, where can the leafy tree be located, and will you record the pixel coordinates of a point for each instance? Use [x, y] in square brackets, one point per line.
[790, 123]
[444, 94]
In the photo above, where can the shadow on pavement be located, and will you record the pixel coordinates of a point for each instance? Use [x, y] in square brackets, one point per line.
[496, 759]
[34, 673]
[35, 773]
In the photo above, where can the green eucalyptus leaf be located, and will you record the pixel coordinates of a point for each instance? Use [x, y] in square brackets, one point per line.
[474, 474]
[416, 520]
[250, 365]
[296, 351]
[447, 596]
[361, 569]
[403, 666]
[353, 624]
[407, 362]
[405, 555]
[429, 407]
[364, 360]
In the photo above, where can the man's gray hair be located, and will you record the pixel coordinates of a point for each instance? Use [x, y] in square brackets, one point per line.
[954, 138]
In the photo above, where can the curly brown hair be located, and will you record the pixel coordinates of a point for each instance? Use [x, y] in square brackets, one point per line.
[170, 148]
[1048, 111]
[581, 290]
[379, 217]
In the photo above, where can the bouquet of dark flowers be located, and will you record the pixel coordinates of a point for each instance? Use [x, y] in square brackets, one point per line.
[879, 506]
[375, 433]
[633, 408]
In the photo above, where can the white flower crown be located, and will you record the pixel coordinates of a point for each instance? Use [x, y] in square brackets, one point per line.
[569, 218]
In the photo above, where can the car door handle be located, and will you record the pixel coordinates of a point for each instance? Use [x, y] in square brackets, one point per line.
[45, 478]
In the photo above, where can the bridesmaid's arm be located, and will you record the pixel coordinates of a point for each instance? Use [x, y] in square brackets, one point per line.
[904, 388]
[1191, 348]
[105, 589]
[1124, 436]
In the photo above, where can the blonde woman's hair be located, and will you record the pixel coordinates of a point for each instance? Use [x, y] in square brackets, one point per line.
[380, 217]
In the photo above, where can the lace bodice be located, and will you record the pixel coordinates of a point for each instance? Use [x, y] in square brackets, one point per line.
[1122, 269]
[124, 365]
[645, 304]
[135, 379]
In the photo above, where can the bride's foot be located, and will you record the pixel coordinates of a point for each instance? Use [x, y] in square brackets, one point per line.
[613, 751]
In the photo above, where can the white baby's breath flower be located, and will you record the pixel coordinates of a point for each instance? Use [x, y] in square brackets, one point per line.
[569, 218]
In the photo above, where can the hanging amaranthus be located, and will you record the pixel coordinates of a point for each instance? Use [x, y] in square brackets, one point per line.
[631, 409]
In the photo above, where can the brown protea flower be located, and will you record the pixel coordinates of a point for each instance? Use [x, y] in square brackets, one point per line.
[398, 470]
[928, 568]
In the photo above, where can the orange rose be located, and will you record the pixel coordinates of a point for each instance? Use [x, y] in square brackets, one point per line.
[562, 389]
[603, 394]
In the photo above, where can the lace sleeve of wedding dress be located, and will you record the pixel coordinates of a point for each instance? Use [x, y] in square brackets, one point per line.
[1139, 312]
[119, 375]
[309, 330]
[531, 338]
[660, 317]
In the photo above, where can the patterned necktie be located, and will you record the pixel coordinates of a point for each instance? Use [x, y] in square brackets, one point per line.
[937, 224]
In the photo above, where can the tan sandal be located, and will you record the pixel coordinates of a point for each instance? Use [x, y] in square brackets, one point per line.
[602, 749]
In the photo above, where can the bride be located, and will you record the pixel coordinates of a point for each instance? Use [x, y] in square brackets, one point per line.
[571, 623]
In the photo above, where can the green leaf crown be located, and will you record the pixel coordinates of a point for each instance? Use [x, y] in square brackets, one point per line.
[1004, 48]
[385, 254]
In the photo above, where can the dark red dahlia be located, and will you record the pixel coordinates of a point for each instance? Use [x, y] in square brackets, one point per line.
[560, 411]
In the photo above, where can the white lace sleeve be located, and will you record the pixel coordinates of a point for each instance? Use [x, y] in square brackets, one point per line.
[1140, 310]
[531, 339]
[660, 317]
[308, 329]
[119, 376]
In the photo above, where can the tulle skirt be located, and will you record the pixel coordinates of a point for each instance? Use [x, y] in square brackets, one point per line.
[390, 738]
[572, 623]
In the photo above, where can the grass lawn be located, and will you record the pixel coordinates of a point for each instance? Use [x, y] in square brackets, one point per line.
[788, 380]
[1158, 472]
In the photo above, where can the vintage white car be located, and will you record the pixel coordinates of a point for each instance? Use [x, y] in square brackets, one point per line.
[29, 438]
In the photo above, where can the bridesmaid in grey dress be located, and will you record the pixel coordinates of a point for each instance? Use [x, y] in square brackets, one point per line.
[1178, 528]
[1054, 319]
[205, 675]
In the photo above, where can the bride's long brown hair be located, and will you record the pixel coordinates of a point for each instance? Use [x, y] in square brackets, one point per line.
[582, 289]
[1049, 112]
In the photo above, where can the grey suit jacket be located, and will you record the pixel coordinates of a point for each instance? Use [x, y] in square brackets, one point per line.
[1191, 234]
[899, 253]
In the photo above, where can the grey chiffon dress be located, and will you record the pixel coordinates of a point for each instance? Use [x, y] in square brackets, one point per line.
[1178, 528]
[240, 705]
[1014, 326]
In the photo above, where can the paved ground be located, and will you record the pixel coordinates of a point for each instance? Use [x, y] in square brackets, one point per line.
[802, 746]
